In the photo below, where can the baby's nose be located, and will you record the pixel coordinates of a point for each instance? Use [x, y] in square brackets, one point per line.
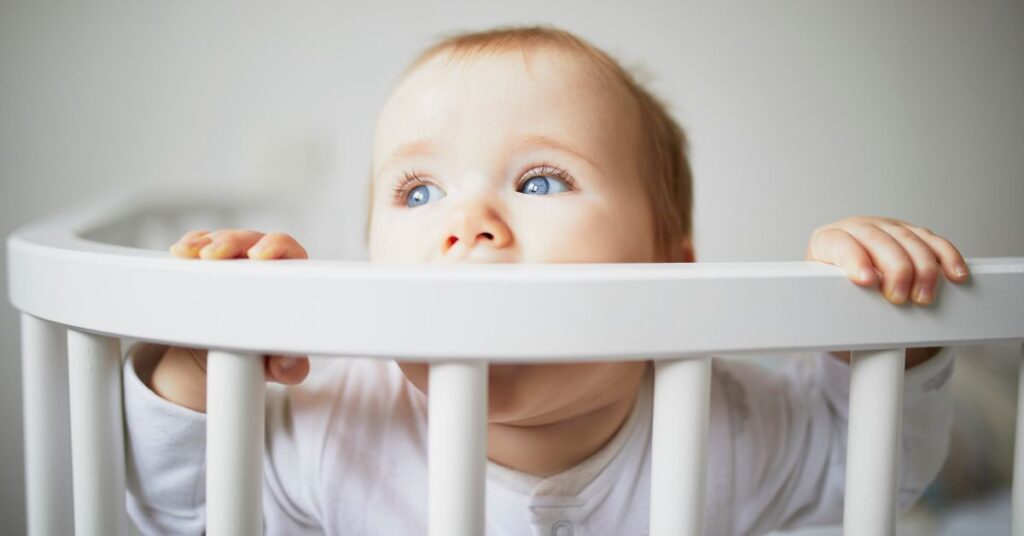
[475, 225]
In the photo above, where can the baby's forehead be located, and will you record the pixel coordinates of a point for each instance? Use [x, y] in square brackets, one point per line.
[543, 86]
[548, 66]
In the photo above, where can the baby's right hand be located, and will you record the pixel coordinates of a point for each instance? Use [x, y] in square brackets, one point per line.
[180, 375]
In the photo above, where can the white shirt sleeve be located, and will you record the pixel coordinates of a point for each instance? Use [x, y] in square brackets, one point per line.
[166, 448]
[789, 437]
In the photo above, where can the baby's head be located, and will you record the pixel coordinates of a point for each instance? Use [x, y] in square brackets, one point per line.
[484, 125]
[528, 145]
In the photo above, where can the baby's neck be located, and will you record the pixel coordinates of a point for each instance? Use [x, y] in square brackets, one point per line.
[552, 448]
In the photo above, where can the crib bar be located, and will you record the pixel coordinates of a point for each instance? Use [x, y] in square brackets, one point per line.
[97, 434]
[682, 390]
[1017, 520]
[44, 369]
[457, 448]
[235, 416]
[873, 440]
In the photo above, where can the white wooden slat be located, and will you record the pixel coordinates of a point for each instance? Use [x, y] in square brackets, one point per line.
[1018, 458]
[682, 390]
[873, 441]
[457, 448]
[44, 368]
[97, 434]
[235, 420]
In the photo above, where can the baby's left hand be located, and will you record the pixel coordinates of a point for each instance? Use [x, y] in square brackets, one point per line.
[906, 257]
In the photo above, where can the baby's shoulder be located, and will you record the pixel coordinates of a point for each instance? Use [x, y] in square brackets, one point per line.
[766, 380]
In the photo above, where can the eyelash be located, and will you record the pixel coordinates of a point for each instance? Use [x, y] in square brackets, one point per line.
[413, 178]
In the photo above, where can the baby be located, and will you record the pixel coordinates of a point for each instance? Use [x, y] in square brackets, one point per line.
[480, 128]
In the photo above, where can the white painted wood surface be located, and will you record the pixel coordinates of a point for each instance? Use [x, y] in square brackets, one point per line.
[47, 426]
[457, 448]
[873, 441]
[606, 312]
[235, 420]
[1018, 457]
[97, 434]
[344, 308]
[682, 395]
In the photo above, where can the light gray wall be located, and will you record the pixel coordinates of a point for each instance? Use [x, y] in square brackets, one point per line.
[800, 113]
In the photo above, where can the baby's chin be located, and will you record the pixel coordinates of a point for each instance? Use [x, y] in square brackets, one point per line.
[514, 394]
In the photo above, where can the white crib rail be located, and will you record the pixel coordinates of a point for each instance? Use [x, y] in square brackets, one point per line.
[676, 314]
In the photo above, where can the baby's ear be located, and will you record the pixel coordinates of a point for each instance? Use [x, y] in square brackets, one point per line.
[682, 251]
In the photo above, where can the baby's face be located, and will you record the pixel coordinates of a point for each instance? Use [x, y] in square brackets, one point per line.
[497, 161]
[511, 164]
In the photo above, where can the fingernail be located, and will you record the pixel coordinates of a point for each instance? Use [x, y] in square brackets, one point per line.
[213, 248]
[866, 274]
[288, 363]
[899, 294]
[922, 296]
[187, 245]
[960, 270]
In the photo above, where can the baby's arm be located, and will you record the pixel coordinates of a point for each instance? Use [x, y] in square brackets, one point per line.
[167, 458]
[789, 430]
[902, 259]
[180, 375]
[789, 433]
[165, 397]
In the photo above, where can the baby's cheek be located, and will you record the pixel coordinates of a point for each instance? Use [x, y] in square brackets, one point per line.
[402, 241]
[590, 237]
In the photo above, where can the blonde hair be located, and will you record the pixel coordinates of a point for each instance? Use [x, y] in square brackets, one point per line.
[665, 166]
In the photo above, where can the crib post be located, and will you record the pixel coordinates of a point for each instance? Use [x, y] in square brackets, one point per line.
[457, 448]
[97, 434]
[1017, 521]
[873, 442]
[44, 369]
[235, 420]
[682, 390]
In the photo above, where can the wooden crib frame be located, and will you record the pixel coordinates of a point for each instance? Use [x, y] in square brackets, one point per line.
[77, 295]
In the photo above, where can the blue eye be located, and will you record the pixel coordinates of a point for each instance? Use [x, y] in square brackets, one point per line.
[422, 195]
[544, 184]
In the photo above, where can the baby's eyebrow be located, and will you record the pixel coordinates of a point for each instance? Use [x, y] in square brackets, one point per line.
[422, 147]
[428, 146]
[539, 140]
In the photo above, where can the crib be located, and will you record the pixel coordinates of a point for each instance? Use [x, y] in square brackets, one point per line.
[84, 279]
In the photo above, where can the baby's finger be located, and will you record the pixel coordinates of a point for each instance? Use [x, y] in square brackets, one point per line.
[277, 246]
[288, 370]
[836, 246]
[229, 244]
[926, 266]
[953, 263]
[188, 246]
[890, 257]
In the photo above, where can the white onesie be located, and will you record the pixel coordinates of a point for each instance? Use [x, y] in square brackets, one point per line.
[346, 454]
